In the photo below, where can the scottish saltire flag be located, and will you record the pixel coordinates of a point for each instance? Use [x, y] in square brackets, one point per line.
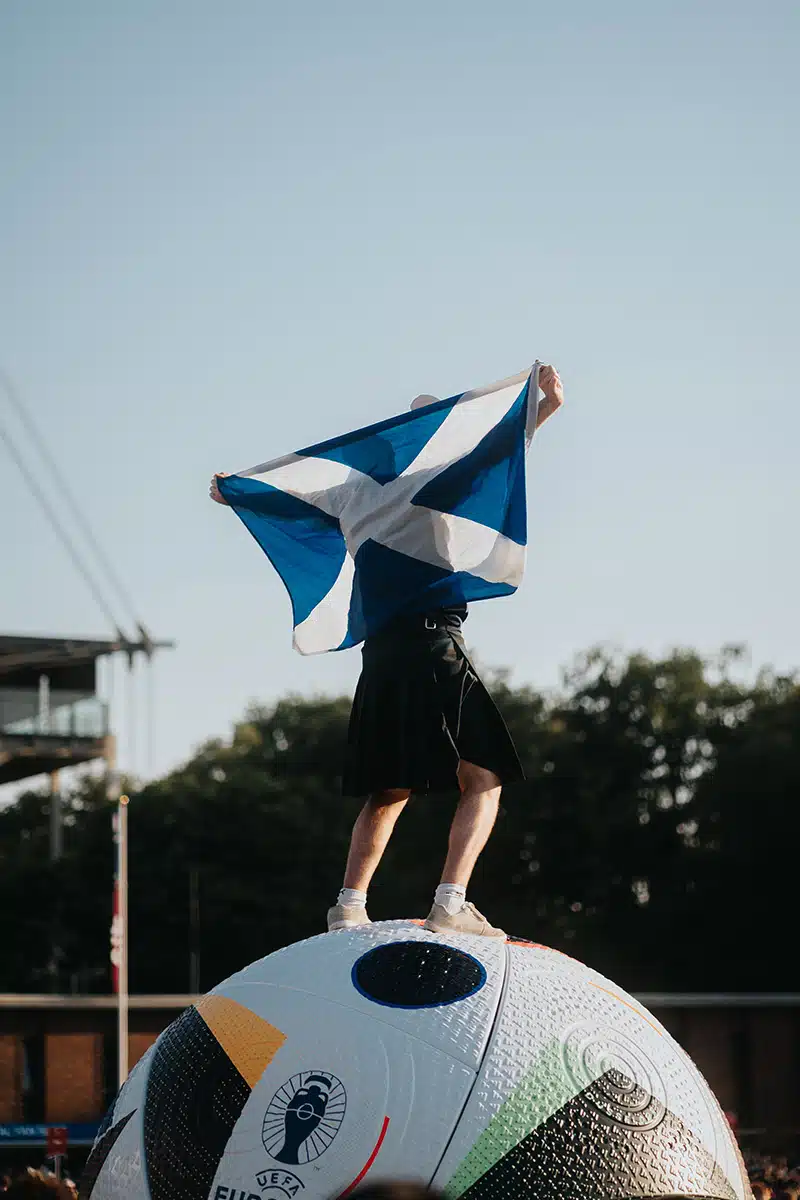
[415, 513]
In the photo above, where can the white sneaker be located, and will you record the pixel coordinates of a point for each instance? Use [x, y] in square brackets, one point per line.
[466, 920]
[347, 916]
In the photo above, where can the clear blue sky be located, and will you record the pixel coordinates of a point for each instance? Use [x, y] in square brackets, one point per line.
[227, 230]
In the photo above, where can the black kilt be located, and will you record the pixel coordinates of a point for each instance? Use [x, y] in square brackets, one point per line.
[419, 707]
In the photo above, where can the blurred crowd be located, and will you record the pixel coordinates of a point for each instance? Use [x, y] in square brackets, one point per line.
[773, 1176]
[30, 1184]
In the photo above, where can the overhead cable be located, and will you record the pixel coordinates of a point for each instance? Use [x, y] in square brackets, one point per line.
[37, 438]
[67, 541]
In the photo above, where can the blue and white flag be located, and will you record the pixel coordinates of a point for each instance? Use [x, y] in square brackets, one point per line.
[418, 512]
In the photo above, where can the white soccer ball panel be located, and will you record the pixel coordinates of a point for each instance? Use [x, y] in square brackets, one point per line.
[386, 1091]
[323, 966]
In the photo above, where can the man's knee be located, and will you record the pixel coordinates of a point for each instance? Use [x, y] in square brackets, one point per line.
[389, 798]
[472, 778]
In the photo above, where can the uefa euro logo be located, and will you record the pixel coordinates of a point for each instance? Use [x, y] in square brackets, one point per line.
[303, 1117]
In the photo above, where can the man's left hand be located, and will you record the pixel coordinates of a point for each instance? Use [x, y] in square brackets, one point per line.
[553, 389]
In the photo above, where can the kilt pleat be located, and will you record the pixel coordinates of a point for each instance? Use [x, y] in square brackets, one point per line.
[419, 707]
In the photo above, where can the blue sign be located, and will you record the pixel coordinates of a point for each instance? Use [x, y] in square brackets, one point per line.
[35, 1135]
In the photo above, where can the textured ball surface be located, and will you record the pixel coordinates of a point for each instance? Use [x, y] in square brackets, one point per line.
[482, 1067]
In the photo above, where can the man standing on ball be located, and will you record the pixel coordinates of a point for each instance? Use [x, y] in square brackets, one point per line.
[422, 720]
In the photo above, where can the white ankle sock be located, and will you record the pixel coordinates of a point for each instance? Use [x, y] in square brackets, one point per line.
[451, 896]
[352, 898]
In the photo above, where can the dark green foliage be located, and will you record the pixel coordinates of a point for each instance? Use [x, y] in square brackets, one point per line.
[655, 838]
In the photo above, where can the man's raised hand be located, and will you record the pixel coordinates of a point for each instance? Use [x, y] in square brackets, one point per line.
[214, 491]
[553, 389]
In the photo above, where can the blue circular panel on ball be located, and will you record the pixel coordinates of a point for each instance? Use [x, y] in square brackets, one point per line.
[417, 975]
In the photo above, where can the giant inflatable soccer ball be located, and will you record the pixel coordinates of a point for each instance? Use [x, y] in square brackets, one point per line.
[481, 1067]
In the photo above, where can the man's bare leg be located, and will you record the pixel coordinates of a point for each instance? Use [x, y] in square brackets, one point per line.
[370, 837]
[473, 822]
[371, 832]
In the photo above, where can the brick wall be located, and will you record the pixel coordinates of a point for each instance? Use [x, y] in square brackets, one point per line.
[776, 1090]
[10, 1078]
[73, 1076]
[708, 1040]
[138, 1044]
[751, 1058]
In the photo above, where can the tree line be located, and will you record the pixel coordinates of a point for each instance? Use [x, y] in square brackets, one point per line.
[655, 838]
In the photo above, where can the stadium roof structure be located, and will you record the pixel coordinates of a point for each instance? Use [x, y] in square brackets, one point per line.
[50, 713]
[25, 654]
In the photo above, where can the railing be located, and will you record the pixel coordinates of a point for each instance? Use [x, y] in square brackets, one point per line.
[85, 718]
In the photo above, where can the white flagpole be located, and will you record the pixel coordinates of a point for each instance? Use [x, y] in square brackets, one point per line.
[122, 995]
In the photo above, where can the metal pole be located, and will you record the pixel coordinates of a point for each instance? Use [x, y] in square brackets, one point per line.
[56, 853]
[122, 997]
[130, 713]
[56, 823]
[194, 931]
[151, 718]
[44, 704]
